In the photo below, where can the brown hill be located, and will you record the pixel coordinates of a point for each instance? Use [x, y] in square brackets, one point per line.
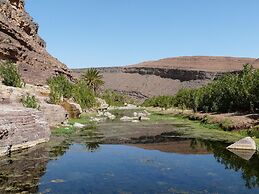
[203, 63]
[20, 43]
[167, 76]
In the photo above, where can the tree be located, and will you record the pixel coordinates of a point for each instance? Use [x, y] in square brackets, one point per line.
[93, 79]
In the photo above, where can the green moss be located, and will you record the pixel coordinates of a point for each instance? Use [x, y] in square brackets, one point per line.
[198, 129]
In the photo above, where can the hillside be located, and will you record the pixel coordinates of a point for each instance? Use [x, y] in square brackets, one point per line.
[167, 76]
[20, 43]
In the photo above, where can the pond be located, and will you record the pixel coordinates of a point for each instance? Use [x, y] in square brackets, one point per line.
[179, 166]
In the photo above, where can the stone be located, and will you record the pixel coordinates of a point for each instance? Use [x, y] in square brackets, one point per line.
[54, 114]
[109, 115]
[74, 110]
[246, 143]
[78, 125]
[135, 121]
[99, 119]
[245, 154]
[144, 118]
[125, 118]
[21, 43]
[21, 128]
[102, 104]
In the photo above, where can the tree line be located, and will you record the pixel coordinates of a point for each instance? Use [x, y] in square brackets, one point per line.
[230, 93]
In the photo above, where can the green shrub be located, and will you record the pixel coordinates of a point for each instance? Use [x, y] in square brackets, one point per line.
[229, 93]
[160, 101]
[10, 75]
[83, 95]
[30, 102]
[114, 98]
[60, 87]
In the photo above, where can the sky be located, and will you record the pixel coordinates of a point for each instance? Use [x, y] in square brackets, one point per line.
[92, 33]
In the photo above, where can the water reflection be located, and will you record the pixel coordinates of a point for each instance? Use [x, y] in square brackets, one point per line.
[37, 169]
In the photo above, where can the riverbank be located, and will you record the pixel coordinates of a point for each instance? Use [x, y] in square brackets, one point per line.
[163, 126]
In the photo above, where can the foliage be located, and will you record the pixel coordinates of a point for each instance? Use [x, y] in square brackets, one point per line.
[229, 93]
[30, 102]
[114, 98]
[93, 79]
[60, 87]
[160, 101]
[10, 75]
[83, 95]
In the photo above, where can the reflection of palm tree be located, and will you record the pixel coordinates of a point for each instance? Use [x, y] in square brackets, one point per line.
[93, 79]
[92, 146]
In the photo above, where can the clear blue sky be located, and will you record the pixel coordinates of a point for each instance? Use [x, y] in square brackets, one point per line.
[84, 33]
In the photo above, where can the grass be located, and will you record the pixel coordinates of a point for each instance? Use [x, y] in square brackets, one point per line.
[200, 130]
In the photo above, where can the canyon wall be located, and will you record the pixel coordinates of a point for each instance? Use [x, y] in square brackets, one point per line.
[20, 43]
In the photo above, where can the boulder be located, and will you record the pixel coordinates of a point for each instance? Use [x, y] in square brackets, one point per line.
[144, 118]
[102, 104]
[245, 154]
[109, 115]
[21, 128]
[54, 114]
[125, 118]
[74, 110]
[246, 143]
[78, 125]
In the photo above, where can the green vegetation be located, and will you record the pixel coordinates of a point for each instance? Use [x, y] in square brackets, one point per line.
[30, 102]
[229, 93]
[160, 101]
[10, 75]
[93, 79]
[61, 87]
[186, 128]
[114, 98]
[83, 95]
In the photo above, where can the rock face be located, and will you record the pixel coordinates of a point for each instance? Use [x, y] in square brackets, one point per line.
[246, 143]
[20, 43]
[21, 128]
[54, 114]
[167, 76]
[74, 110]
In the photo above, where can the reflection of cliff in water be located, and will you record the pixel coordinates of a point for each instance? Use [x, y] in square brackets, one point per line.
[22, 171]
[249, 169]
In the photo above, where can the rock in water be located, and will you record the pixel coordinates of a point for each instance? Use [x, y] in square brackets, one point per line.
[246, 143]
[245, 154]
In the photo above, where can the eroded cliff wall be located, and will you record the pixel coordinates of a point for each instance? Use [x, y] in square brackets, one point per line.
[20, 43]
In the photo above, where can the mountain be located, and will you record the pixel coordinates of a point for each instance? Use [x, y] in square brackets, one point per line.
[168, 76]
[20, 43]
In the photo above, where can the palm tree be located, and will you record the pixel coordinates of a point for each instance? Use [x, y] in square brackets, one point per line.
[93, 79]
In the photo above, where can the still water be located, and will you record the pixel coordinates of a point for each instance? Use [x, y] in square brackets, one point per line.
[185, 166]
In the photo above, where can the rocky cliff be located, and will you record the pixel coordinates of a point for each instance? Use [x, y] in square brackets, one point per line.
[167, 76]
[20, 43]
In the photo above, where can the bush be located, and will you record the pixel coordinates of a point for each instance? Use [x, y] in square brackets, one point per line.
[160, 101]
[10, 75]
[30, 102]
[229, 93]
[114, 98]
[60, 87]
[83, 95]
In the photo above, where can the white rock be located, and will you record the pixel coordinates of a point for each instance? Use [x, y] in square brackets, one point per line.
[125, 118]
[246, 143]
[135, 121]
[78, 125]
[144, 119]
